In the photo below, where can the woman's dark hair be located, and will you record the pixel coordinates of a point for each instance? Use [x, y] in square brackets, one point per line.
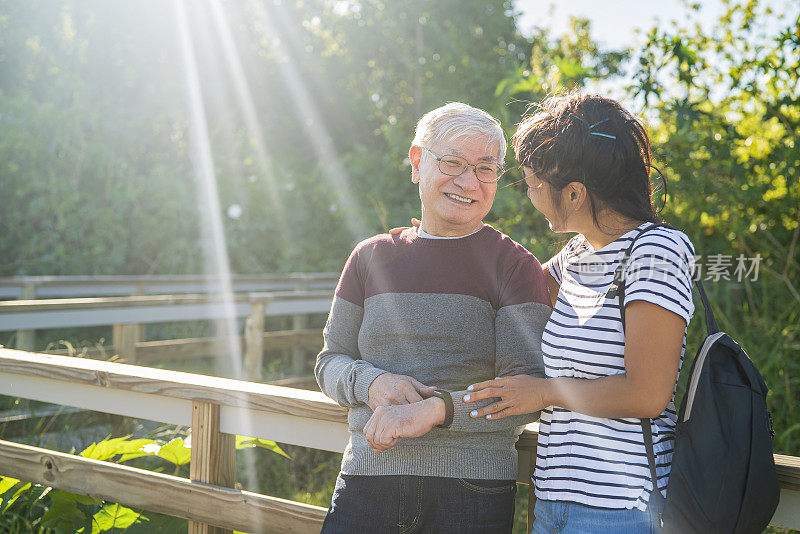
[592, 140]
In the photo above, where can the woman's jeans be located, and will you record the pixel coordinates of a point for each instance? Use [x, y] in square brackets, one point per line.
[404, 504]
[572, 518]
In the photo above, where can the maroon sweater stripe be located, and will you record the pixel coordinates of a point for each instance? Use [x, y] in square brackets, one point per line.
[487, 265]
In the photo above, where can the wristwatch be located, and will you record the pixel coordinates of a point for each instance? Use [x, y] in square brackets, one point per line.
[448, 407]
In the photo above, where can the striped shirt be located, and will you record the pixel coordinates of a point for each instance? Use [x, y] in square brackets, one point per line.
[592, 460]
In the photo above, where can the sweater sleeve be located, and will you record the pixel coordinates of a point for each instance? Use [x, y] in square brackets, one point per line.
[340, 372]
[523, 313]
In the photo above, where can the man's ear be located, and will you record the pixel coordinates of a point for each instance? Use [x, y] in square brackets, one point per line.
[415, 156]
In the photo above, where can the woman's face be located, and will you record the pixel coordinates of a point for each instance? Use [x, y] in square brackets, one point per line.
[540, 194]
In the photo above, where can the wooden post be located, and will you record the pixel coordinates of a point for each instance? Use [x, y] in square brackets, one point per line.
[213, 456]
[254, 342]
[141, 329]
[299, 322]
[531, 489]
[124, 340]
[27, 338]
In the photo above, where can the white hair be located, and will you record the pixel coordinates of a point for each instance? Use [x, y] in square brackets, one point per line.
[456, 120]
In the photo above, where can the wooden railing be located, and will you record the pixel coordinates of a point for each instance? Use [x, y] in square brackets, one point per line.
[65, 313]
[53, 287]
[215, 408]
[34, 288]
[128, 315]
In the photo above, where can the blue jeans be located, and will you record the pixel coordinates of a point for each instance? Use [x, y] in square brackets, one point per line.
[573, 518]
[406, 504]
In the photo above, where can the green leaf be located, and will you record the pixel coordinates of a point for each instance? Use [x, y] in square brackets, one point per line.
[176, 451]
[106, 449]
[6, 483]
[59, 496]
[14, 497]
[114, 516]
[243, 442]
[61, 512]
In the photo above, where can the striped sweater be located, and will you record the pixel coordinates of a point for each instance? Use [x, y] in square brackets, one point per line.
[448, 312]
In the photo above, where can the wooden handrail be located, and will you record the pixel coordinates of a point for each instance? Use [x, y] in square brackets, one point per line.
[173, 384]
[179, 349]
[102, 286]
[158, 278]
[284, 414]
[58, 313]
[11, 306]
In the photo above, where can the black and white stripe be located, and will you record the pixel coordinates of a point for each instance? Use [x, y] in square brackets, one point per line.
[589, 460]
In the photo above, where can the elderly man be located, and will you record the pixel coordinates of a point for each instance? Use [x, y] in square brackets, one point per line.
[415, 318]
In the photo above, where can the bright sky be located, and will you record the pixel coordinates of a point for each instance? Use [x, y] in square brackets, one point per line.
[614, 21]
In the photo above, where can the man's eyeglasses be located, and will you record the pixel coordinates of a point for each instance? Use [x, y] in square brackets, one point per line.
[487, 173]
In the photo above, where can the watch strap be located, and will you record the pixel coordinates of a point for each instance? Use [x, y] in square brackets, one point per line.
[448, 407]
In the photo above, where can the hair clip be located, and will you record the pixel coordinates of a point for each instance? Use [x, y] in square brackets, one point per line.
[593, 125]
[601, 134]
[580, 119]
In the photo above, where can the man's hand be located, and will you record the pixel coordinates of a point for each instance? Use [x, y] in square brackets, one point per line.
[389, 389]
[390, 424]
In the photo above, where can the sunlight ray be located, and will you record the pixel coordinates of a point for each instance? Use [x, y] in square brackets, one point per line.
[214, 245]
[246, 103]
[309, 117]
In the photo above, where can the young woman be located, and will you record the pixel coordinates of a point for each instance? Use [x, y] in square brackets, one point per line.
[587, 163]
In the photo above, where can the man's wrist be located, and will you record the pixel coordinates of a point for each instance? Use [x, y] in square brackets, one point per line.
[447, 402]
[549, 392]
[437, 409]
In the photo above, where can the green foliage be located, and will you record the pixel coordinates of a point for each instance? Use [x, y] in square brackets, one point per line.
[32, 506]
[723, 108]
[243, 442]
[97, 174]
[726, 125]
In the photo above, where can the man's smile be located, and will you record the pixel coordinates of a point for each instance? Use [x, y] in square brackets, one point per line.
[458, 198]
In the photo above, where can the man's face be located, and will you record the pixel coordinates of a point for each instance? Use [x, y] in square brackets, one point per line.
[454, 205]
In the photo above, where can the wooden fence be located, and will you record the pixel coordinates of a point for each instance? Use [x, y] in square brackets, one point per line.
[128, 314]
[53, 287]
[31, 288]
[216, 408]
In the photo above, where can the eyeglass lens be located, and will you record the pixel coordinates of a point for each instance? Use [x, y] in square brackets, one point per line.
[454, 166]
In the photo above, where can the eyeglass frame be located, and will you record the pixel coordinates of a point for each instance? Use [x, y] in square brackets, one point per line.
[500, 169]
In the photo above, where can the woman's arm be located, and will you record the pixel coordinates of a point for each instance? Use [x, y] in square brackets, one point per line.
[652, 354]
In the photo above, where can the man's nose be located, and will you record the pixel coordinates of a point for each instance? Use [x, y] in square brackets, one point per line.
[468, 179]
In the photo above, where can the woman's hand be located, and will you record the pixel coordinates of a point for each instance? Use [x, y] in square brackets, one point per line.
[518, 394]
[414, 222]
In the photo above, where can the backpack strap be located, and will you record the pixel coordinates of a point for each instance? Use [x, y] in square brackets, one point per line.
[617, 289]
[647, 432]
[711, 322]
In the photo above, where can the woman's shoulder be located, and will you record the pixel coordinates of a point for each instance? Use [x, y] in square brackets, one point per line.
[665, 241]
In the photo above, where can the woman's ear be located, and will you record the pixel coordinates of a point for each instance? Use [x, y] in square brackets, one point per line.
[576, 194]
[415, 156]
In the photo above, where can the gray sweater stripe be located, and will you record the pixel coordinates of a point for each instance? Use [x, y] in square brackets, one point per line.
[449, 341]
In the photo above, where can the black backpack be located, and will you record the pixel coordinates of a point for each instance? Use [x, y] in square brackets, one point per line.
[723, 477]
